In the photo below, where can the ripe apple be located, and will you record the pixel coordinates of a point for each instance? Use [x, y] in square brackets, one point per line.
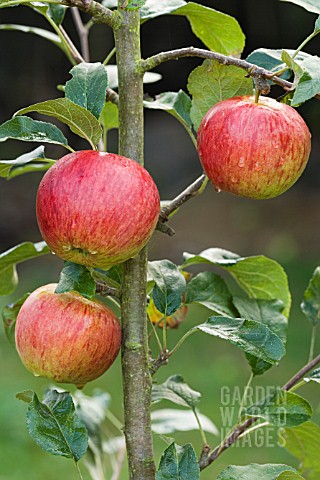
[97, 209]
[255, 150]
[65, 337]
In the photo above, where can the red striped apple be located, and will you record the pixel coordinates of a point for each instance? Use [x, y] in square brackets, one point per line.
[97, 209]
[255, 150]
[65, 337]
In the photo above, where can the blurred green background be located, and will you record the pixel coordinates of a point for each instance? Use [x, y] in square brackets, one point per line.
[286, 228]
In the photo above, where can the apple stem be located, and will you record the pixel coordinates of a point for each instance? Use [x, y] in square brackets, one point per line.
[256, 96]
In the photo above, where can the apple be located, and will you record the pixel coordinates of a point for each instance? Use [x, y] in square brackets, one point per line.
[255, 150]
[66, 337]
[97, 209]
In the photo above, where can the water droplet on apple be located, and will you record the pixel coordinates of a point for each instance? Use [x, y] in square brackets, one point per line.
[241, 162]
[234, 180]
[66, 248]
[52, 253]
[36, 374]
[217, 189]
[257, 166]
[282, 161]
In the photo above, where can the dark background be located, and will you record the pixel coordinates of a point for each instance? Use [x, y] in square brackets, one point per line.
[286, 228]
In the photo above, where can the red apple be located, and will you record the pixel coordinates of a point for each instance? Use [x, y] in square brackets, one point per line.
[65, 337]
[256, 150]
[97, 209]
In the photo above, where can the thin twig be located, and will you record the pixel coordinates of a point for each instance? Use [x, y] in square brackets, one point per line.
[250, 68]
[98, 12]
[72, 48]
[83, 33]
[206, 460]
[196, 188]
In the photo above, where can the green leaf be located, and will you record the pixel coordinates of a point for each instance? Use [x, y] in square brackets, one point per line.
[56, 12]
[40, 32]
[178, 463]
[77, 278]
[79, 120]
[283, 409]
[252, 337]
[88, 87]
[29, 130]
[177, 391]
[132, 4]
[167, 421]
[255, 471]
[303, 442]
[154, 8]
[268, 312]
[178, 104]
[25, 396]
[314, 376]
[9, 316]
[291, 63]
[18, 254]
[55, 427]
[169, 286]
[317, 25]
[309, 83]
[258, 276]
[311, 299]
[112, 277]
[109, 117]
[211, 291]
[218, 31]
[210, 83]
[29, 162]
[310, 5]
[290, 476]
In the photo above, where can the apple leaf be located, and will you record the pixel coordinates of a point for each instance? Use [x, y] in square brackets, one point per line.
[218, 31]
[54, 425]
[40, 32]
[272, 59]
[310, 5]
[314, 376]
[303, 442]
[268, 312]
[17, 254]
[169, 286]
[250, 336]
[309, 82]
[167, 421]
[178, 463]
[177, 391]
[79, 120]
[56, 12]
[9, 316]
[282, 408]
[109, 117]
[132, 5]
[292, 64]
[154, 8]
[317, 25]
[254, 471]
[88, 87]
[290, 476]
[258, 276]
[210, 83]
[211, 291]
[29, 130]
[77, 278]
[178, 104]
[29, 162]
[311, 299]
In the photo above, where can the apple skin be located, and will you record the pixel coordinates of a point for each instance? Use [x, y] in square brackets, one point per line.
[255, 150]
[66, 337]
[97, 209]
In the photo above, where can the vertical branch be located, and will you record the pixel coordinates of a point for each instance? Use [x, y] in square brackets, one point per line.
[135, 365]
